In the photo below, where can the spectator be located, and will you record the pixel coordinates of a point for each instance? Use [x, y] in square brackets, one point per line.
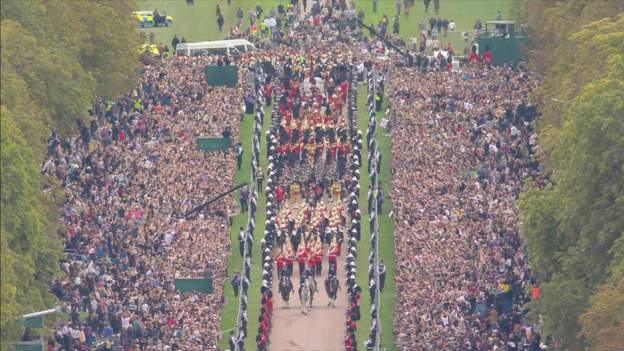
[122, 217]
[175, 41]
[236, 283]
[220, 22]
[459, 164]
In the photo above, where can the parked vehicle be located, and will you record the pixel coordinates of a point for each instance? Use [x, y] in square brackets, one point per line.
[148, 19]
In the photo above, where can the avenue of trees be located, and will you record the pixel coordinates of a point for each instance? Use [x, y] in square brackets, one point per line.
[57, 56]
[574, 227]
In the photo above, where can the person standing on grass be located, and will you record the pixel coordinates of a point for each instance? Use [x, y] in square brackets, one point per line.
[439, 25]
[252, 17]
[436, 7]
[239, 155]
[426, 2]
[380, 200]
[244, 196]
[240, 14]
[236, 281]
[382, 275]
[374, 6]
[220, 22]
[241, 241]
[395, 25]
[175, 41]
[218, 10]
[398, 6]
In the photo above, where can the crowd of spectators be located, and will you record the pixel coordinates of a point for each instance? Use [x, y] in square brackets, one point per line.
[463, 143]
[129, 179]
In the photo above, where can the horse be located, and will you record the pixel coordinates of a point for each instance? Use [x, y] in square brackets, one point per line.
[285, 288]
[331, 287]
[306, 294]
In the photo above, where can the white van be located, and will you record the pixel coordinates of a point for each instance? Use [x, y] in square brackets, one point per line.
[219, 47]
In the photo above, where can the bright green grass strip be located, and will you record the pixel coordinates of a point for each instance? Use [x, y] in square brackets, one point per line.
[386, 238]
[386, 231]
[229, 311]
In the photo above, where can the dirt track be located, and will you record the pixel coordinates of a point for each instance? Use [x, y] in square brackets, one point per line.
[322, 329]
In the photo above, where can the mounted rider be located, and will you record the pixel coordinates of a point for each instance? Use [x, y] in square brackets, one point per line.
[285, 288]
[308, 273]
[332, 285]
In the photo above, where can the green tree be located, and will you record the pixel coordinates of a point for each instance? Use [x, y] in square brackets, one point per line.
[69, 51]
[603, 322]
[551, 24]
[572, 227]
[30, 250]
[57, 56]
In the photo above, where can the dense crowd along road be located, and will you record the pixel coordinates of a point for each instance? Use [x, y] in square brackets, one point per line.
[463, 142]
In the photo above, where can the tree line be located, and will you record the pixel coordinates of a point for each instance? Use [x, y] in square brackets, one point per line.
[57, 56]
[574, 226]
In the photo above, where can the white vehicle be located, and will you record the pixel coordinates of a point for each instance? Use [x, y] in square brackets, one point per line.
[219, 47]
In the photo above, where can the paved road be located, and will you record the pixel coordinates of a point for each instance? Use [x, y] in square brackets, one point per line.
[322, 329]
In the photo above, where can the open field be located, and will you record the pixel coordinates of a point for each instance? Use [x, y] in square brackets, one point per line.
[199, 22]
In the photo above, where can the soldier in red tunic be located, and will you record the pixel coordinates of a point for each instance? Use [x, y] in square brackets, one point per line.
[281, 264]
[302, 256]
[289, 261]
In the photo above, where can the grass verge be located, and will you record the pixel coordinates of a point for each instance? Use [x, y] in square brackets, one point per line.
[229, 311]
[386, 231]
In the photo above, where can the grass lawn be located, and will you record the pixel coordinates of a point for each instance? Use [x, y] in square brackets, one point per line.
[464, 12]
[199, 22]
[386, 231]
[229, 311]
